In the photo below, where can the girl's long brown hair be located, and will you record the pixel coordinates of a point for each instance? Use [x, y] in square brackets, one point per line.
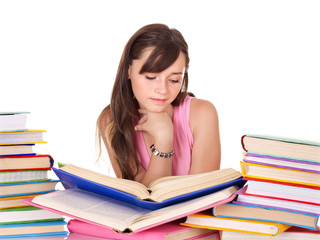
[115, 123]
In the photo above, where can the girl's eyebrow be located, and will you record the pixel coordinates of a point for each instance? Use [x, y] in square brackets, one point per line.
[176, 73]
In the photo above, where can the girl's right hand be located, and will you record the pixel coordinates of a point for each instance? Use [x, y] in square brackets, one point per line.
[159, 126]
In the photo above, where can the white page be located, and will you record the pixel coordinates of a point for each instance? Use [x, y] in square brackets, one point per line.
[92, 207]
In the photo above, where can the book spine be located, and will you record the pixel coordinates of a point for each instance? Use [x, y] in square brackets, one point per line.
[242, 143]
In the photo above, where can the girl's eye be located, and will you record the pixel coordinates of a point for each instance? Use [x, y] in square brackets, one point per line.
[150, 77]
[174, 80]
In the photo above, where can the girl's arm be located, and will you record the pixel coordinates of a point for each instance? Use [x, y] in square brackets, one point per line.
[204, 124]
[206, 152]
[160, 126]
[158, 130]
[206, 148]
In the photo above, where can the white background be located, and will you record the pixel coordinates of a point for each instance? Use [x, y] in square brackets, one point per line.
[257, 61]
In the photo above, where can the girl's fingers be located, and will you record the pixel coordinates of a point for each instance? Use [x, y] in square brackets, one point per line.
[143, 119]
[138, 127]
[142, 111]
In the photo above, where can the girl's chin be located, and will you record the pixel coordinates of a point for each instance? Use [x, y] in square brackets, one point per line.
[157, 109]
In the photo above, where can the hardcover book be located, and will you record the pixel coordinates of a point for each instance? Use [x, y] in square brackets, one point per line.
[205, 220]
[290, 205]
[282, 162]
[160, 193]
[283, 190]
[294, 233]
[43, 229]
[100, 210]
[10, 121]
[14, 202]
[21, 137]
[26, 214]
[283, 147]
[168, 231]
[232, 210]
[23, 176]
[22, 149]
[266, 172]
[27, 188]
[30, 162]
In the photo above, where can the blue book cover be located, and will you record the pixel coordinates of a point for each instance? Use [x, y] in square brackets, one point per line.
[72, 181]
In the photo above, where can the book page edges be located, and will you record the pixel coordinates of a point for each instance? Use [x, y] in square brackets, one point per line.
[23, 143]
[29, 201]
[228, 229]
[286, 140]
[243, 167]
[229, 199]
[131, 187]
[281, 226]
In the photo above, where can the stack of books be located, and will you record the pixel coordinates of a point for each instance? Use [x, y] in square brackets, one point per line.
[24, 174]
[282, 190]
[116, 208]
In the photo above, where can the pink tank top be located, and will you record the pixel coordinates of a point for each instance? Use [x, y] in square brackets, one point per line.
[182, 141]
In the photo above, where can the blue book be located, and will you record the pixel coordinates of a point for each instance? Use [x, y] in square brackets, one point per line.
[174, 189]
[268, 214]
[33, 229]
[16, 150]
[27, 188]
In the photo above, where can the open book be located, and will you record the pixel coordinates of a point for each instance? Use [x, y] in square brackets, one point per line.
[121, 216]
[161, 192]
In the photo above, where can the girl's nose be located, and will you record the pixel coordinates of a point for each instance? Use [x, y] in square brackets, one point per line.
[161, 86]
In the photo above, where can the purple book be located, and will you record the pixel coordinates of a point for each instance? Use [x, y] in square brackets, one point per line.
[281, 162]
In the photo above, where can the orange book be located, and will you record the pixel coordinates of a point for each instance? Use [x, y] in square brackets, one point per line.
[208, 221]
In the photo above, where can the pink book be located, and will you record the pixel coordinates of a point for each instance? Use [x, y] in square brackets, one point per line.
[79, 236]
[229, 199]
[171, 229]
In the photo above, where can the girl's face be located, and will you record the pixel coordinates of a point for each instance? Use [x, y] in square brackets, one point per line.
[156, 91]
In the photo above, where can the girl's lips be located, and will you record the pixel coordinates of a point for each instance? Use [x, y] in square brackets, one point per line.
[158, 100]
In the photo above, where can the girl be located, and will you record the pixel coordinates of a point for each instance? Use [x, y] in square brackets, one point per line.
[153, 127]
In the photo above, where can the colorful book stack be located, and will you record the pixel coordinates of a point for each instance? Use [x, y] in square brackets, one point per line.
[24, 174]
[282, 190]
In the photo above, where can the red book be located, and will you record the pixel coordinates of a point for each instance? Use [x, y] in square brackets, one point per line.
[276, 202]
[26, 162]
[283, 190]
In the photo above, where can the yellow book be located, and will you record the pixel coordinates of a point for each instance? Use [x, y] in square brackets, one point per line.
[208, 221]
[14, 202]
[265, 172]
[30, 136]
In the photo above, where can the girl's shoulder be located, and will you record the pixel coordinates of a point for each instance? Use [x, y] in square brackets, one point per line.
[201, 106]
[104, 119]
[202, 112]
